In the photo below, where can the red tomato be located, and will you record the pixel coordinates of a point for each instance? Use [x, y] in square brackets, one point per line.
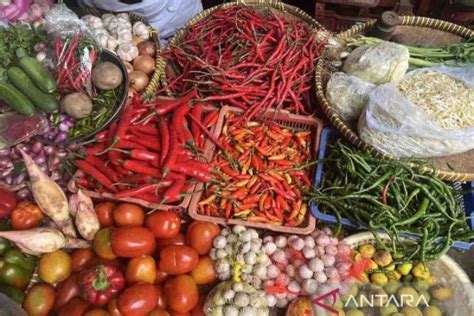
[132, 242]
[26, 215]
[161, 276]
[178, 259]
[200, 236]
[39, 300]
[127, 214]
[164, 224]
[66, 291]
[141, 269]
[138, 299]
[181, 293]
[198, 310]
[7, 202]
[204, 272]
[97, 312]
[161, 303]
[75, 307]
[159, 312]
[179, 240]
[105, 213]
[112, 308]
[102, 243]
[81, 258]
[173, 313]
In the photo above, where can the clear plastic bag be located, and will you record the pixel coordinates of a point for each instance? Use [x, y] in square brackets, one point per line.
[396, 126]
[63, 22]
[348, 95]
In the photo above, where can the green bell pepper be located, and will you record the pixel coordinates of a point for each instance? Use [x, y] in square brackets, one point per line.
[13, 293]
[16, 268]
[4, 244]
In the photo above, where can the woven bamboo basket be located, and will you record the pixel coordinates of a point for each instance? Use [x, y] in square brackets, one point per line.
[275, 5]
[445, 270]
[437, 33]
[157, 78]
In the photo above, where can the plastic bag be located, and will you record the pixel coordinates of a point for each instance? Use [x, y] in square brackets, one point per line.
[348, 95]
[16, 128]
[63, 22]
[379, 63]
[396, 126]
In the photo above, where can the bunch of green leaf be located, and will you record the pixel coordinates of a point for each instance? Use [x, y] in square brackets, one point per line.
[12, 38]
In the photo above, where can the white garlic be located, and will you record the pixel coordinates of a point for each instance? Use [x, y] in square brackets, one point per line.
[281, 241]
[127, 52]
[225, 232]
[124, 37]
[271, 300]
[241, 299]
[279, 256]
[246, 236]
[296, 243]
[254, 234]
[212, 254]
[219, 242]
[141, 30]
[229, 295]
[238, 287]
[290, 270]
[260, 271]
[112, 43]
[250, 258]
[230, 310]
[309, 242]
[272, 271]
[294, 287]
[238, 229]
[269, 248]
[268, 239]
[316, 265]
[220, 253]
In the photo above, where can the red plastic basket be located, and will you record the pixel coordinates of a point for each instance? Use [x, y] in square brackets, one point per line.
[286, 119]
[207, 155]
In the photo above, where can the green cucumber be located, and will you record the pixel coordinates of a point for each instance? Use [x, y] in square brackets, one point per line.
[38, 73]
[16, 100]
[44, 102]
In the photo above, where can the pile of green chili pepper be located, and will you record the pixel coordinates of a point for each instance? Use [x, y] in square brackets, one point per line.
[392, 197]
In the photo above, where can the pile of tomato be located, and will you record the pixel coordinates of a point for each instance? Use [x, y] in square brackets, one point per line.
[139, 265]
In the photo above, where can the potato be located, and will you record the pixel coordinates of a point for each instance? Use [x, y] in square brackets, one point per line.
[441, 293]
[77, 105]
[107, 76]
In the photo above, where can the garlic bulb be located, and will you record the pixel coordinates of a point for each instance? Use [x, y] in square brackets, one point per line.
[112, 43]
[99, 31]
[92, 21]
[220, 242]
[124, 37]
[141, 30]
[102, 40]
[106, 18]
[127, 52]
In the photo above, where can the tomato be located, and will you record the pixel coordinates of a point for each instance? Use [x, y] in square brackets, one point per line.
[55, 266]
[75, 307]
[105, 213]
[138, 299]
[97, 312]
[112, 308]
[179, 240]
[161, 276]
[66, 291]
[129, 242]
[102, 244]
[164, 224]
[141, 269]
[7, 202]
[181, 293]
[173, 313]
[161, 302]
[158, 312]
[26, 215]
[204, 272]
[178, 259]
[200, 236]
[127, 214]
[39, 300]
[81, 258]
[198, 310]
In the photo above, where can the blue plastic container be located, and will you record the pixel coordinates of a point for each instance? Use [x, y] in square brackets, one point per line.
[326, 137]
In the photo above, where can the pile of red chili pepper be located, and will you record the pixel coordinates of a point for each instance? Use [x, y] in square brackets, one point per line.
[152, 153]
[261, 175]
[248, 58]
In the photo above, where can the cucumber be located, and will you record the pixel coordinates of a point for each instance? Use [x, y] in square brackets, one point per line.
[38, 73]
[16, 100]
[44, 102]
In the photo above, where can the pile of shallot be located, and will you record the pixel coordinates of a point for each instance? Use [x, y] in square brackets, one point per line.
[305, 265]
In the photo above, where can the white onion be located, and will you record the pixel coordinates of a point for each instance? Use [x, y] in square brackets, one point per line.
[309, 242]
[296, 243]
[310, 286]
[272, 271]
[305, 272]
[269, 247]
[281, 241]
[328, 260]
[320, 277]
[309, 252]
[316, 265]
[290, 270]
[279, 256]
[331, 250]
[271, 300]
[294, 287]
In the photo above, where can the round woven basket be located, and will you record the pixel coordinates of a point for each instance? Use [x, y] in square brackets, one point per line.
[446, 271]
[276, 5]
[438, 33]
[156, 79]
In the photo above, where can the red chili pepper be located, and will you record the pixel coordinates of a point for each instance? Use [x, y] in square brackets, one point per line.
[100, 165]
[172, 153]
[146, 188]
[100, 284]
[95, 149]
[137, 179]
[165, 139]
[210, 119]
[84, 183]
[165, 106]
[144, 141]
[90, 170]
[147, 129]
[196, 112]
[193, 170]
[208, 134]
[173, 193]
[139, 167]
[180, 125]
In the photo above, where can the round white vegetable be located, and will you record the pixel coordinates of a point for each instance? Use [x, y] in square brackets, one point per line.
[272, 271]
[256, 301]
[141, 30]
[229, 250]
[271, 300]
[230, 310]
[123, 16]
[222, 266]
[331, 250]
[256, 282]
[320, 250]
[127, 52]
[328, 260]
[268, 239]
[232, 238]
[102, 40]
[294, 287]
[268, 283]
[245, 247]
[281, 295]
[124, 37]
[334, 241]
[331, 272]
[269, 247]
[246, 236]
[309, 242]
[112, 43]
[41, 56]
[309, 252]
[254, 234]
[238, 287]
[224, 275]
[238, 229]
[281, 241]
[279, 256]
[219, 242]
[296, 243]
[320, 277]
[255, 246]
[260, 271]
[247, 311]
[322, 240]
[217, 311]
[310, 286]
[305, 272]
[290, 270]
[316, 265]
[240, 258]
[247, 269]
[228, 295]
[241, 299]
[221, 253]
[327, 231]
